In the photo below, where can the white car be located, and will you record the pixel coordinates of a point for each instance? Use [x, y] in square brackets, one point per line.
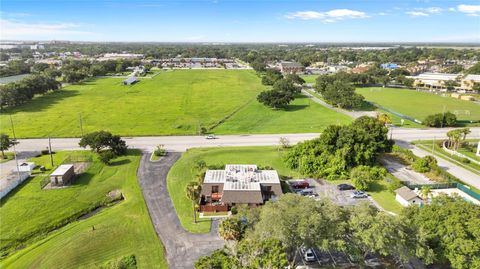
[358, 194]
[210, 137]
[309, 255]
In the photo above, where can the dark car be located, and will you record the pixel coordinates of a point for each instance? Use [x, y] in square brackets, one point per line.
[300, 184]
[344, 187]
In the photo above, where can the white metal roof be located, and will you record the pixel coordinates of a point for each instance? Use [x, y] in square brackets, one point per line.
[435, 76]
[472, 77]
[61, 170]
[241, 177]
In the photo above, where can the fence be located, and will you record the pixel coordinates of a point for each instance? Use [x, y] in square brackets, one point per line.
[213, 208]
[395, 112]
[451, 185]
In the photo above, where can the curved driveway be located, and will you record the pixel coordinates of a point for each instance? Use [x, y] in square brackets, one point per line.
[182, 248]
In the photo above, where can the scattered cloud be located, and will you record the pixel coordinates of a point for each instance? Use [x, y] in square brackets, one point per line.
[424, 12]
[12, 29]
[328, 16]
[470, 10]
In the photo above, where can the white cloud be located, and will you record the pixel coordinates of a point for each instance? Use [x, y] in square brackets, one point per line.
[417, 13]
[471, 10]
[22, 30]
[424, 12]
[328, 16]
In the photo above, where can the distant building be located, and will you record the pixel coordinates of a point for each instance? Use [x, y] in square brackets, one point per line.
[433, 80]
[63, 175]
[338, 68]
[290, 67]
[407, 197]
[116, 56]
[389, 66]
[469, 81]
[360, 69]
[131, 80]
[238, 184]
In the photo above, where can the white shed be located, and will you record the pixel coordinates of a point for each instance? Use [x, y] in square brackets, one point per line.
[407, 197]
[26, 167]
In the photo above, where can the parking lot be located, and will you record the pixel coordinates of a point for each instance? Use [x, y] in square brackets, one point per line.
[324, 189]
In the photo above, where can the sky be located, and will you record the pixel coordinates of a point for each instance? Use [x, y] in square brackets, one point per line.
[242, 21]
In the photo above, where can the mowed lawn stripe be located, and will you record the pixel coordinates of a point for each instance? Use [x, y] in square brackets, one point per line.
[419, 104]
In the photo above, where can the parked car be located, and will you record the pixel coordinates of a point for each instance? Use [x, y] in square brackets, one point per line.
[359, 194]
[344, 187]
[299, 184]
[309, 255]
[306, 192]
[210, 137]
[373, 262]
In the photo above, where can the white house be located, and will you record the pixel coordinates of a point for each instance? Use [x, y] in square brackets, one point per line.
[407, 197]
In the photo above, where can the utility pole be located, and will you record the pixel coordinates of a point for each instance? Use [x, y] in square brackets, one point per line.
[81, 123]
[433, 146]
[443, 117]
[50, 150]
[14, 149]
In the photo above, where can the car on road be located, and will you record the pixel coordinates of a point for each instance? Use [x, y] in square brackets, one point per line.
[210, 137]
[345, 187]
[358, 194]
[309, 255]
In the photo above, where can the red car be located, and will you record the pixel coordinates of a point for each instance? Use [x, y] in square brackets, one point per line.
[300, 184]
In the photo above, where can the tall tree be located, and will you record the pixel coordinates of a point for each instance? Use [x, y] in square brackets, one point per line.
[193, 191]
[6, 143]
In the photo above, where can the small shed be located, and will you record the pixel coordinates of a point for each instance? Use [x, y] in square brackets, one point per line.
[26, 167]
[406, 197]
[63, 175]
[131, 80]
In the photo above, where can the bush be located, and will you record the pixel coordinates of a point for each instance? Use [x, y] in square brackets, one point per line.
[160, 151]
[127, 262]
[441, 120]
[425, 164]
[465, 160]
[106, 156]
[234, 210]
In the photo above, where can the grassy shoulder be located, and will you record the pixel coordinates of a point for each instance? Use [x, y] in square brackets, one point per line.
[45, 220]
[8, 156]
[420, 104]
[181, 174]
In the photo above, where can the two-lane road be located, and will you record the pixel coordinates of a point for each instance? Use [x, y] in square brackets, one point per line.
[181, 143]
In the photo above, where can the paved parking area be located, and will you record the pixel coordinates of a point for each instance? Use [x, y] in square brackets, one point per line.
[328, 190]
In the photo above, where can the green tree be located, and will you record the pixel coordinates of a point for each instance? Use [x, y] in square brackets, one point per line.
[284, 85]
[271, 76]
[193, 191]
[363, 176]
[231, 229]
[102, 139]
[6, 143]
[294, 78]
[275, 99]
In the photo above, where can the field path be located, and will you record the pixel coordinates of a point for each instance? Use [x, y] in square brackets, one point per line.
[182, 248]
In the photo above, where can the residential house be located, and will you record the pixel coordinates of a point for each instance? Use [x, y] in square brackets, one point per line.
[238, 184]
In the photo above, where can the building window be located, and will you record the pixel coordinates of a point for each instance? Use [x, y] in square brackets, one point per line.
[214, 189]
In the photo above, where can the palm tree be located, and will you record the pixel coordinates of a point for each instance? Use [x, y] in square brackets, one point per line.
[193, 190]
[426, 191]
[230, 229]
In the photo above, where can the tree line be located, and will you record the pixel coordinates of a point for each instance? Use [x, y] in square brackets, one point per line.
[446, 232]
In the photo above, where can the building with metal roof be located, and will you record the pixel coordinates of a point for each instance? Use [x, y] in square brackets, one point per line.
[131, 80]
[240, 184]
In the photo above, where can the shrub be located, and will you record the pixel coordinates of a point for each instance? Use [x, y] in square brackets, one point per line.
[160, 151]
[465, 160]
[425, 164]
[106, 156]
[441, 120]
[127, 262]
[234, 210]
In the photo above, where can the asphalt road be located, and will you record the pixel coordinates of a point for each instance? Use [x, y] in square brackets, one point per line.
[182, 248]
[181, 143]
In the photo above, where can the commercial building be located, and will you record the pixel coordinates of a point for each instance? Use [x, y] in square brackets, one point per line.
[290, 67]
[238, 184]
[433, 80]
[469, 81]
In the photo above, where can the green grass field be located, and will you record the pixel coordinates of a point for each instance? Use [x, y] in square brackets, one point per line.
[120, 230]
[310, 78]
[301, 116]
[182, 173]
[420, 104]
[178, 102]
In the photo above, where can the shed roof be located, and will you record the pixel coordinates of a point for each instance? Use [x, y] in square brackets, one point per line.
[406, 193]
[61, 170]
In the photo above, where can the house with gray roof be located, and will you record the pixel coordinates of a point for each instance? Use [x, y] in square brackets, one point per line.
[238, 184]
[406, 197]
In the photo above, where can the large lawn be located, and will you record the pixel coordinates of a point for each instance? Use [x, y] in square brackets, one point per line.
[418, 104]
[117, 231]
[178, 102]
[301, 116]
[173, 102]
[182, 173]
